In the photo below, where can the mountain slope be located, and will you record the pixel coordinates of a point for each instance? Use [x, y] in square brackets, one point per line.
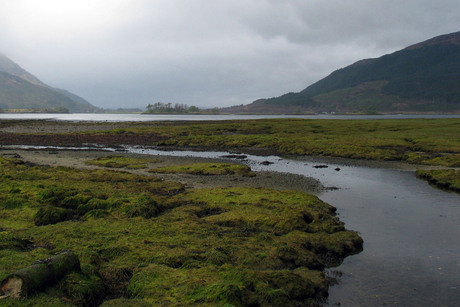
[21, 90]
[424, 77]
[6, 65]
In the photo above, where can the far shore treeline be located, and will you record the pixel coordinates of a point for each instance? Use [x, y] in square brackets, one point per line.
[177, 108]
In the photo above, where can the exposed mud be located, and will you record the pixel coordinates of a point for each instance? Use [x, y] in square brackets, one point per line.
[77, 159]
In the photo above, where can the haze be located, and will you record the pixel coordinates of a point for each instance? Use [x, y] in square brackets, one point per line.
[120, 53]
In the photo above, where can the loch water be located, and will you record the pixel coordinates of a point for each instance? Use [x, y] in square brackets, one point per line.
[102, 117]
[411, 235]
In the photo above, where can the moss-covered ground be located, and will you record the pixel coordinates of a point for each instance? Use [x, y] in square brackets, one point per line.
[207, 169]
[143, 241]
[416, 141]
[114, 161]
[426, 141]
[448, 179]
[421, 141]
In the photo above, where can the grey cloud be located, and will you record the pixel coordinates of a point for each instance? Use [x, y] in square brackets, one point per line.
[213, 53]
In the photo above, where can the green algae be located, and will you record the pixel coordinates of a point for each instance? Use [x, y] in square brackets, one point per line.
[11, 241]
[121, 162]
[82, 289]
[207, 169]
[144, 241]
[443, 178]
[145, 207]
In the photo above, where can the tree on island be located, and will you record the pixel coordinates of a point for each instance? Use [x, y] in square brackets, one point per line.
[169, 108]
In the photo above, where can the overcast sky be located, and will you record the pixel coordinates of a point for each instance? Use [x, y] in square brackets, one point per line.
[129, 53]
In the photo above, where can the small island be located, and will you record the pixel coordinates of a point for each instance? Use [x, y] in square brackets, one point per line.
[177, 108]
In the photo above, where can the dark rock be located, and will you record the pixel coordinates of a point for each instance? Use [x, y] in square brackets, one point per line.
[320, 166]
[266, 163]
[239, 157]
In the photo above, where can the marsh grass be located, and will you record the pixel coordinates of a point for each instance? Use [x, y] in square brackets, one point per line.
[364, 139]
[207, 169]
[121, 162]
[445, 179]
[416, 141]
[143, 241]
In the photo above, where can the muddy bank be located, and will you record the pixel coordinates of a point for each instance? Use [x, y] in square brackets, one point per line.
[52, 126]
[77, 159]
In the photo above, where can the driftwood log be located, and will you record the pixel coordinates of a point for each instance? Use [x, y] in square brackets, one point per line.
[39, 275]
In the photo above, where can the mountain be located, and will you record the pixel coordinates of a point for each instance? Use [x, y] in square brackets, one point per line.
[20, 89]
[422, 78]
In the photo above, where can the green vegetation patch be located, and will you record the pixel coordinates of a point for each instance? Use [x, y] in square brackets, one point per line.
[446, 178]
[417, 141]
[421, 141]
[429, 141]
[143, 241]
[207, 169]
[121, 162]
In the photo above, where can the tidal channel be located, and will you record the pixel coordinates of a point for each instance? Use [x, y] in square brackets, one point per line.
[411, 230]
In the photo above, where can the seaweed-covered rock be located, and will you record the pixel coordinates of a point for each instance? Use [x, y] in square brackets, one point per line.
[82, 289]
[9, 240]
[97, 204]
[51, 215]
[124, 302]
[145, 207]
[54, 195]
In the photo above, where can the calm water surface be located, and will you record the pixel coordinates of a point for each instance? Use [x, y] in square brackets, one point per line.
[411, 231]
[139, 117]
